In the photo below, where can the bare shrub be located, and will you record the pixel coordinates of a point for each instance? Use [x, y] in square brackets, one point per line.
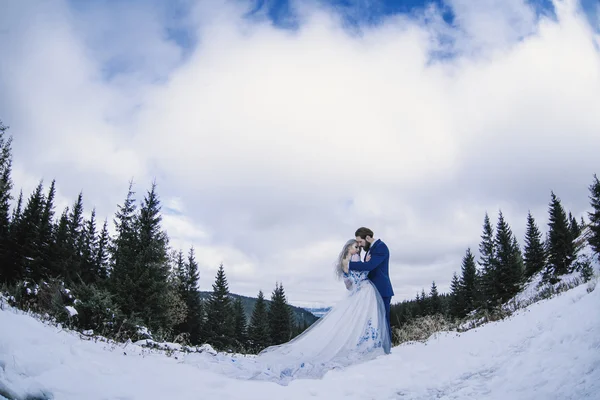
[421, 329]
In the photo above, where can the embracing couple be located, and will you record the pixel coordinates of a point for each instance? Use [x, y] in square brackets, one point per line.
[355, 330]
[375, 267]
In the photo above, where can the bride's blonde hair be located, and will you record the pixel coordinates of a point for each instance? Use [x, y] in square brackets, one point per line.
[339, 272]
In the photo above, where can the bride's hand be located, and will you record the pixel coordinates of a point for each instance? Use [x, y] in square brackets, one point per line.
[368, 257]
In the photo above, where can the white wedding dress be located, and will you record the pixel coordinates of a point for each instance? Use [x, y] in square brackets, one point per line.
[353, 331]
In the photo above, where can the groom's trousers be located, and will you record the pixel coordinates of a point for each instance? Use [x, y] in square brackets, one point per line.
[386, 303]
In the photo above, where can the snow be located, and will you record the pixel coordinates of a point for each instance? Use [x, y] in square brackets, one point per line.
[71, 310]
[534, 286]
[162, 346]
[551, 350]
[143, 331]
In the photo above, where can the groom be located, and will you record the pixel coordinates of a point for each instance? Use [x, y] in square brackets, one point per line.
[377, 260]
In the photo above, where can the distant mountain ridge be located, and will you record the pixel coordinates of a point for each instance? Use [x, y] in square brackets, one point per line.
[301, 314]
[318, 311]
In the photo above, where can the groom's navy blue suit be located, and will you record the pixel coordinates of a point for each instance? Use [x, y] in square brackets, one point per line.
[378, 267]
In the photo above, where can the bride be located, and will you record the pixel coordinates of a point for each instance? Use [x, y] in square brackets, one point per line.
[353, 331]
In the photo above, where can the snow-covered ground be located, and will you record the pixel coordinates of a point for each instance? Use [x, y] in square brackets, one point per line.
[550, 350]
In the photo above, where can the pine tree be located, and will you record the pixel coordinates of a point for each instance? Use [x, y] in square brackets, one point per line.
[280, 325]
[240, 332]
[408, 313]
[75, 241]
[417, 306]
[101, 259]
[6, 186]
[518, 264]
[534, 254]
[468, 283]
[457, 300]
[151, 265]
[487, 262]
[423, 303]
[195, 313]
[561, 250]
[27, 236]
[89, 250]
[123, 254]
[258, 330]
[180, 273]
[60, 249]
[508, 262]
[178, 281]
[46, 234]
[594, 225]
[574, 226]
[219, 313]
[13, 268]
[435, 302]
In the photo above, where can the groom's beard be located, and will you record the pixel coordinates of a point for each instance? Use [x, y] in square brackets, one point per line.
[367, 246]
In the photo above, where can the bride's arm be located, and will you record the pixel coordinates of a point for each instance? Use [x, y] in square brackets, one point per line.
[347, 281]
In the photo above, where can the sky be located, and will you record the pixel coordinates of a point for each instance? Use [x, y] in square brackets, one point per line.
[273, 130]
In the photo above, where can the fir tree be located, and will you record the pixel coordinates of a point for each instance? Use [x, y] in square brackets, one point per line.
[219, 313]
[423, 304]
[279, 317]
[46, 234]
[258, 330]
[574, 226]
[12, 268]
[561, 250]
[89, 272]
[6, 186]
[508, 262]
[151, 267]
[240, 332]
[28, 234]
[17, 212]
[534, 254]
[75, 241]
[178, 281]
[519, 265]
[457, 300]
[123, 252]
[435, 302]
[417, 306]
[468, 282]
[594, 215]
[102, 256]
[407, 314]
[61, 248]
[180, 273]
[487, 262]
[195, 313]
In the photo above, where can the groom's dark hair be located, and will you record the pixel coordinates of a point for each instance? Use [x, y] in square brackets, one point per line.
[363, 232]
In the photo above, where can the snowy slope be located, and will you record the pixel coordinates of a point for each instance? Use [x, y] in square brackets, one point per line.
[549, 351]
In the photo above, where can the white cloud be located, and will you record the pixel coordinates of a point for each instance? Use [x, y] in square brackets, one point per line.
[271, 147]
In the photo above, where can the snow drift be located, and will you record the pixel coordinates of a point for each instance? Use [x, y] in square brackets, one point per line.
[550, 350]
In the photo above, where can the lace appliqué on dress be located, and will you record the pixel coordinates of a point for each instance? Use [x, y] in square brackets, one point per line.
[355, 278]
[370, 339]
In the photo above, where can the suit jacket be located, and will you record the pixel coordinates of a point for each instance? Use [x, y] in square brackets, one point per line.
[378, 267]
